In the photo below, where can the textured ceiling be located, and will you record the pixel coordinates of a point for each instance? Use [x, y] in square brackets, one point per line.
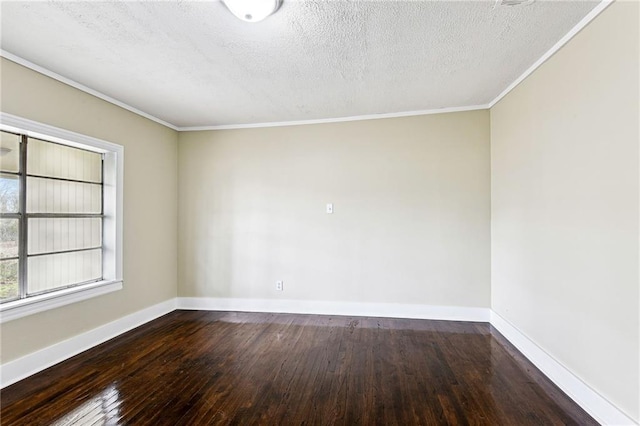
[195, 64]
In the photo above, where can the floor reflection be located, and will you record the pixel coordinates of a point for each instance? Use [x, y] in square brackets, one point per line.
[202, 368]
[101, 410]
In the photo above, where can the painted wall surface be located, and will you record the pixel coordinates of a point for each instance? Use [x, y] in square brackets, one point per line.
[565, 191]
[410, 223]
[150, 205]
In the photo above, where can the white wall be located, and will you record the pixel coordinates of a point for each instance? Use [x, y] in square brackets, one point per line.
[565, 191]
[411, 221]
[150, 206]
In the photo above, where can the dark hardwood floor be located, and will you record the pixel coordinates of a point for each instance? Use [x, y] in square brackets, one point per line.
[200, 368]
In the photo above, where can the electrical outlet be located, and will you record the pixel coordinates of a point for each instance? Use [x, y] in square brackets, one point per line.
[279, 285]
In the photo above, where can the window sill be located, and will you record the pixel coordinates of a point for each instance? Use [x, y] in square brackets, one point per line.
[21, 308]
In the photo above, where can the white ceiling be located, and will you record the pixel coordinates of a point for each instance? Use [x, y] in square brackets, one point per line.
[194, 64]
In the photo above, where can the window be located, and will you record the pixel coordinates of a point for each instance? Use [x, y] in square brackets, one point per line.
[60, 217]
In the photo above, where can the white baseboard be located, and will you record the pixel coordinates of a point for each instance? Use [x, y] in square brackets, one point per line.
[590, 400]
[21, 368]
[387, 310]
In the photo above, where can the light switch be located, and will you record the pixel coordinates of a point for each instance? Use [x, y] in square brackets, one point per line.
[330, 208]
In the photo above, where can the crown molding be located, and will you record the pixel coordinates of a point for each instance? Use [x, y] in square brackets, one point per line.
[42, 70]
[335, 119]
[556, 47]
[564, 40]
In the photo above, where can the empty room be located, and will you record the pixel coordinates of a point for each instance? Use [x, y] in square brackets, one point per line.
[287, 212]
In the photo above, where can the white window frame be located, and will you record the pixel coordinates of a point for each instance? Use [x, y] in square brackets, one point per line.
[112, 236]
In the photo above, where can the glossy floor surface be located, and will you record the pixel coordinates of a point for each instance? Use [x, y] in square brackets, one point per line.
[201, 368]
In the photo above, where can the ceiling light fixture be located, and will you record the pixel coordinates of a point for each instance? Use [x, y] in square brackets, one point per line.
[252, 10]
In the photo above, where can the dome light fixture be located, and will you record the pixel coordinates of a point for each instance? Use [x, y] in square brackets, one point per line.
[252, 10]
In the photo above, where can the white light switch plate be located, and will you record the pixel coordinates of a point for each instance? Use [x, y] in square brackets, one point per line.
[330, 208]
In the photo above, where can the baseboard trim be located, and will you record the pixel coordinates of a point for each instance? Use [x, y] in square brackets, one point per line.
[587, 398]
[583, 395]
[14, 371]
[387, 310]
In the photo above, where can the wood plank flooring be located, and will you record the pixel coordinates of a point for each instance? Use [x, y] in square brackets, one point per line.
[202, 368]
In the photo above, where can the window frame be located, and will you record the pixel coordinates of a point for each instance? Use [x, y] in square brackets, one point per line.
[112, 215]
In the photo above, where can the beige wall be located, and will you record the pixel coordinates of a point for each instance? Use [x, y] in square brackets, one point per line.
[150, 205]
[411, 220]
[565, 206]
[412, 208]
